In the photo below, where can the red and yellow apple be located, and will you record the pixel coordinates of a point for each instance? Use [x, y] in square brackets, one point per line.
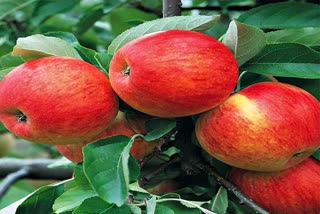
[173, 73]
[265, 127]
[57, 100]
[292, 191]
[124, 124]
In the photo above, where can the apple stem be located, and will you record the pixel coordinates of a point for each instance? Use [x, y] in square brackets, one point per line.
[22, 118]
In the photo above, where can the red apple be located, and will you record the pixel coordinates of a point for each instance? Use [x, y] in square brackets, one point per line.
[57, 100]
[265, 127]
[163, 187]
[293, 191]
[173, 73]
[124, 124]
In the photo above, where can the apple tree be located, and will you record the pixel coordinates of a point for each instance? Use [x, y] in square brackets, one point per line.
[163, 163]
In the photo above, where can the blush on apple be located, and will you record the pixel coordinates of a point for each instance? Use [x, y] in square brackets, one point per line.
[292, 191]
[265, 127]
[57, 100]
[173, 73]
[124, 124]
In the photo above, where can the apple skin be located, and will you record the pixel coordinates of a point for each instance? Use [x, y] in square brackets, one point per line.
[173, 73]
[267, 126]
[65, 101]
[124, 124]
[163, 187]
[293, 191]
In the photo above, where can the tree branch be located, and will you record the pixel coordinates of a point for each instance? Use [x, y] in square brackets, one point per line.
[11, 179]
[233, 189]
[38, 168]
[171, 8]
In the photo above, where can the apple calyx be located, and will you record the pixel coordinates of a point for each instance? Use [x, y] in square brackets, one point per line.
[21, 117]
[126, 71]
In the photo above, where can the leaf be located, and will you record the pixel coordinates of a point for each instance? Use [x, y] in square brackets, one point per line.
[161, 209]
[106, 167]
[158, 127]
[134, 209]
[10, 61]
[178, 208]
[48, 8]
[92, 57]
[283, 15]
[2, 128]
[79, 176]
[41, 200]
[66, 36]
[94, 205]
[72, 198]
[62, 163]
[88, 19]
[37, 46]
[220, 201]
[178, 22]
[317, 154]
[286, 60]
[244, 41]
[151, 205]
[4, 72]
[8, 7]
[304, 36]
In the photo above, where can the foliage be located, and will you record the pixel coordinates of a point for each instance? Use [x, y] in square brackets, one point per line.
[268, 45]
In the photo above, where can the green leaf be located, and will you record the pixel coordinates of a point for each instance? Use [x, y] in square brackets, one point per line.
[88, 19]
[106, 166]
[286, 60]
[283, 15]
[304, 36]
[3, 128]
[161, 209]
[9, 7]
[41, 200]
[94, 205]
[220, 202]
[73, 198]
[151, 205]
[244, 41]
[79, 176]
[178, 22]
[37, 46]
[317, 154]
[178, 208]
[48, 8]
[10, 61]
[134, 209]
[68, 37]
[158, 127]
[118, 210]
[4, 72]
[92, 57]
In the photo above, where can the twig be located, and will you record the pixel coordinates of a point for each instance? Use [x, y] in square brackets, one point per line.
[11, 179]
[171, 8]
[233, 189]
[162, 167]
[38, 168]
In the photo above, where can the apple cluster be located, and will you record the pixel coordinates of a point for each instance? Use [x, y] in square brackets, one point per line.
[267, 131]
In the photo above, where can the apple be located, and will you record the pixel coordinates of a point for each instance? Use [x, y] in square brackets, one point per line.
[267, 126]
[295, 190]
[173, 73]
[57, 100]
[163, 187]
[7, 143]
[124, 124]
